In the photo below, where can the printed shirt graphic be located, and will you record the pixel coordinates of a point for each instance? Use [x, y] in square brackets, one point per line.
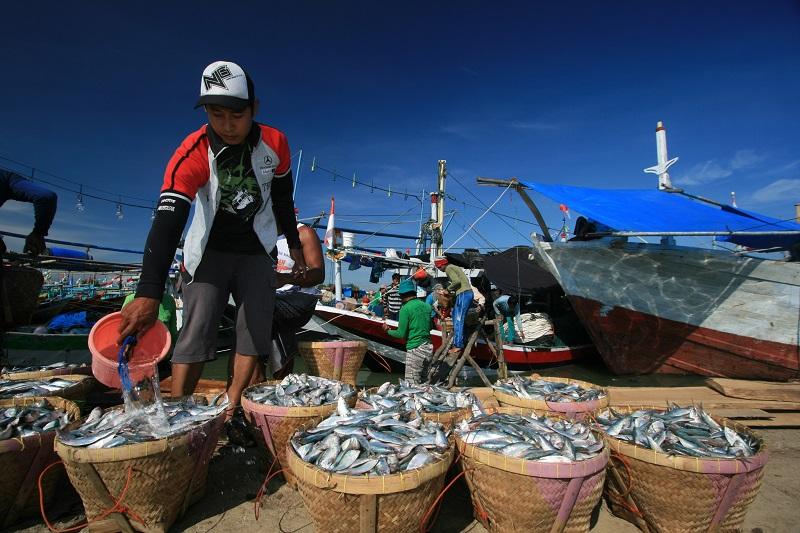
[238, 187]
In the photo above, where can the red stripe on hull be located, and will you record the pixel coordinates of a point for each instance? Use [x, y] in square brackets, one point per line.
[632, 342]
[516, 356]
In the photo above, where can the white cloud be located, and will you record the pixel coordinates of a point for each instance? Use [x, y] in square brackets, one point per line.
[783, 190]
[713, 170]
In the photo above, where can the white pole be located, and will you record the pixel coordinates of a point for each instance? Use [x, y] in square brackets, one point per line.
[435, 219]
[297, 177]
[664, 182]
[337, 273]
[421, 216]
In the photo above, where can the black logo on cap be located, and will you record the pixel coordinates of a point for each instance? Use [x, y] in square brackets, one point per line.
[217, 79]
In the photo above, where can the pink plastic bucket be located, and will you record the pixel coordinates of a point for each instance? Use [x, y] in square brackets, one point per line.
[151, 348]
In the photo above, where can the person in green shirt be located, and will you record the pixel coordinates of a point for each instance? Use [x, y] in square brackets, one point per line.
[415, 326]
[459, 282]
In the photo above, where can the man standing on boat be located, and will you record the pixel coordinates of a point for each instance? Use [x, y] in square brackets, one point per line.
[391, 299]
[459, 283]
[239, 173]
[16, 187]
[414, 326]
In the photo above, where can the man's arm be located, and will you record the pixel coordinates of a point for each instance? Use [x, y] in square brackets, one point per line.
[452, 275]
[312, 253]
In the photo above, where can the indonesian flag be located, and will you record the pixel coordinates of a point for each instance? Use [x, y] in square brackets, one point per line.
[330, 239]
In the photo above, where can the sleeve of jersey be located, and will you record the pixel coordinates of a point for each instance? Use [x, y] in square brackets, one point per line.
[186, 172]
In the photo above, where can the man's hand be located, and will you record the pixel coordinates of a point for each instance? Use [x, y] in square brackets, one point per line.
[137, 317]
[299, 269]
[34, 244]
[385, 326]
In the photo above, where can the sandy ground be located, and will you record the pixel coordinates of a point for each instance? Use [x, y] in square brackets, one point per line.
[235, 475]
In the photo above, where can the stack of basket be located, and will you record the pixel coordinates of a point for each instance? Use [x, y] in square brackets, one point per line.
[21, 462]
[670, 493]
[574, 410]
[278, 424]
[150, 484]
[339, 360]
[511, 495]
[77, 392]
[395, 503]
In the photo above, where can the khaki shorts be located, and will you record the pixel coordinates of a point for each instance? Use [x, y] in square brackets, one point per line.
[251, 281]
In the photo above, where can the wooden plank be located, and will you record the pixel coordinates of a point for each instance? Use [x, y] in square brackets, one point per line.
[781, 420]
[710, 399]
[742, 413]
[756, 390]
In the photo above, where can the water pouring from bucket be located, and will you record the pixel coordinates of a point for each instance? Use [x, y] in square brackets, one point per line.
[132, 367]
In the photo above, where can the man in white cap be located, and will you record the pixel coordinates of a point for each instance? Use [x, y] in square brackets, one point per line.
[238, 173]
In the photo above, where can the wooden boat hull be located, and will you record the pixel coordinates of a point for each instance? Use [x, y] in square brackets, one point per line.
[655, 309]
[371, 330]
[31, 349]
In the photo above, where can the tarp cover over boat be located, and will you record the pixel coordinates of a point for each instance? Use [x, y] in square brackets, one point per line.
[515, 273]
[651, 210]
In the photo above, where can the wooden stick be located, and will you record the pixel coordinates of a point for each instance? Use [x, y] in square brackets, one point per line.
[502, 368]
[368, 513]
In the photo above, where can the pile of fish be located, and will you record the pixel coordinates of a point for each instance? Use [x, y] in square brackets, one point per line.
[531, 438]
[38, 387]
[54, 366]
[410, 397]
[551, 391]
[300, 390]
[23, 421]
[118, 427]
[686, 431]
[375, 442]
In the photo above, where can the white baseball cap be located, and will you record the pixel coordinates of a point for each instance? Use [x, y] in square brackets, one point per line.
[226, 84]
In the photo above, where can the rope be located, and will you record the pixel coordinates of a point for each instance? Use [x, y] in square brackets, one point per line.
[362, 241]
[116, 508]
[619, 497]
[381, 361]
[263, 489]
[488, 210]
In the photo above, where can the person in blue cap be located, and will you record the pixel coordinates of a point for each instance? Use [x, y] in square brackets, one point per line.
[415, 326]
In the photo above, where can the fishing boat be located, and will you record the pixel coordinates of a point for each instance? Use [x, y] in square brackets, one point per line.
[570, 342]
[659, 307]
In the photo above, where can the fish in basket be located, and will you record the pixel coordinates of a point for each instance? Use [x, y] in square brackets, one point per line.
[278, 408]
[72, 387]
[527, 472]
[379, 467]
[27, 429]
[679, 469]
[568, 397]
[148, 472]
[432, 401]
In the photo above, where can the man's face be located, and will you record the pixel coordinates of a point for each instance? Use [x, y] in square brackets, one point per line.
[395, 282]
[232, 126]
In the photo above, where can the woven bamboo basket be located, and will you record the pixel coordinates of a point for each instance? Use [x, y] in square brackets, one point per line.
[155, 481]
[515, 495]
[77, 392]
[395, 503]
[668, 493]
[21, 462]
[339, 360]
[85, 370]
[574, 410]
[448, 419]
[278, 424]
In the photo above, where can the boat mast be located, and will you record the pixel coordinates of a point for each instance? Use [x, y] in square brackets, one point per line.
[437, 212]
[664, 183]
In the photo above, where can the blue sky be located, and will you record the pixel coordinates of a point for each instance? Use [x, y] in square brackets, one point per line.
[564, 92]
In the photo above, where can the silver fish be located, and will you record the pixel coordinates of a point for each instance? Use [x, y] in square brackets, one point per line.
[299, 390]
[21, 421]
[551, 391]
[414, 397]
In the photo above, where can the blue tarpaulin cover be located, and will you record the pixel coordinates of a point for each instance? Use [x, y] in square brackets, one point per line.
[651, 210]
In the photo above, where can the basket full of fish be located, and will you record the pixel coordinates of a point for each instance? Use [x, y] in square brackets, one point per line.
[71, 387]
[153, 458]
[680, 469]
[27, 429]
[340, 359]
[278, 408]
[45, 371]
[569, 397]
[557, 463]
[385, 466]
[432, 401]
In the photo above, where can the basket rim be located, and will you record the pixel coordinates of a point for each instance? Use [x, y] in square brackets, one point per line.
[366, 484]
[136, 450]
[701, 465]
[42, 374]
[331, 344]
[526, 467]
[78, 379]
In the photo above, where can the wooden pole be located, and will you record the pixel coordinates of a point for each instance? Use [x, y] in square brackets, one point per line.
[502, 368]
[462, 358]
[368, 513]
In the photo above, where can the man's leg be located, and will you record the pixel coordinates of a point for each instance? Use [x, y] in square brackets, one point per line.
[204, 301]
[463, 302]
[511, 332]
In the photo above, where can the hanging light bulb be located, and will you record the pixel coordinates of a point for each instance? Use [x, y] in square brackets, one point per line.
[120, 215]
[79, 202]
